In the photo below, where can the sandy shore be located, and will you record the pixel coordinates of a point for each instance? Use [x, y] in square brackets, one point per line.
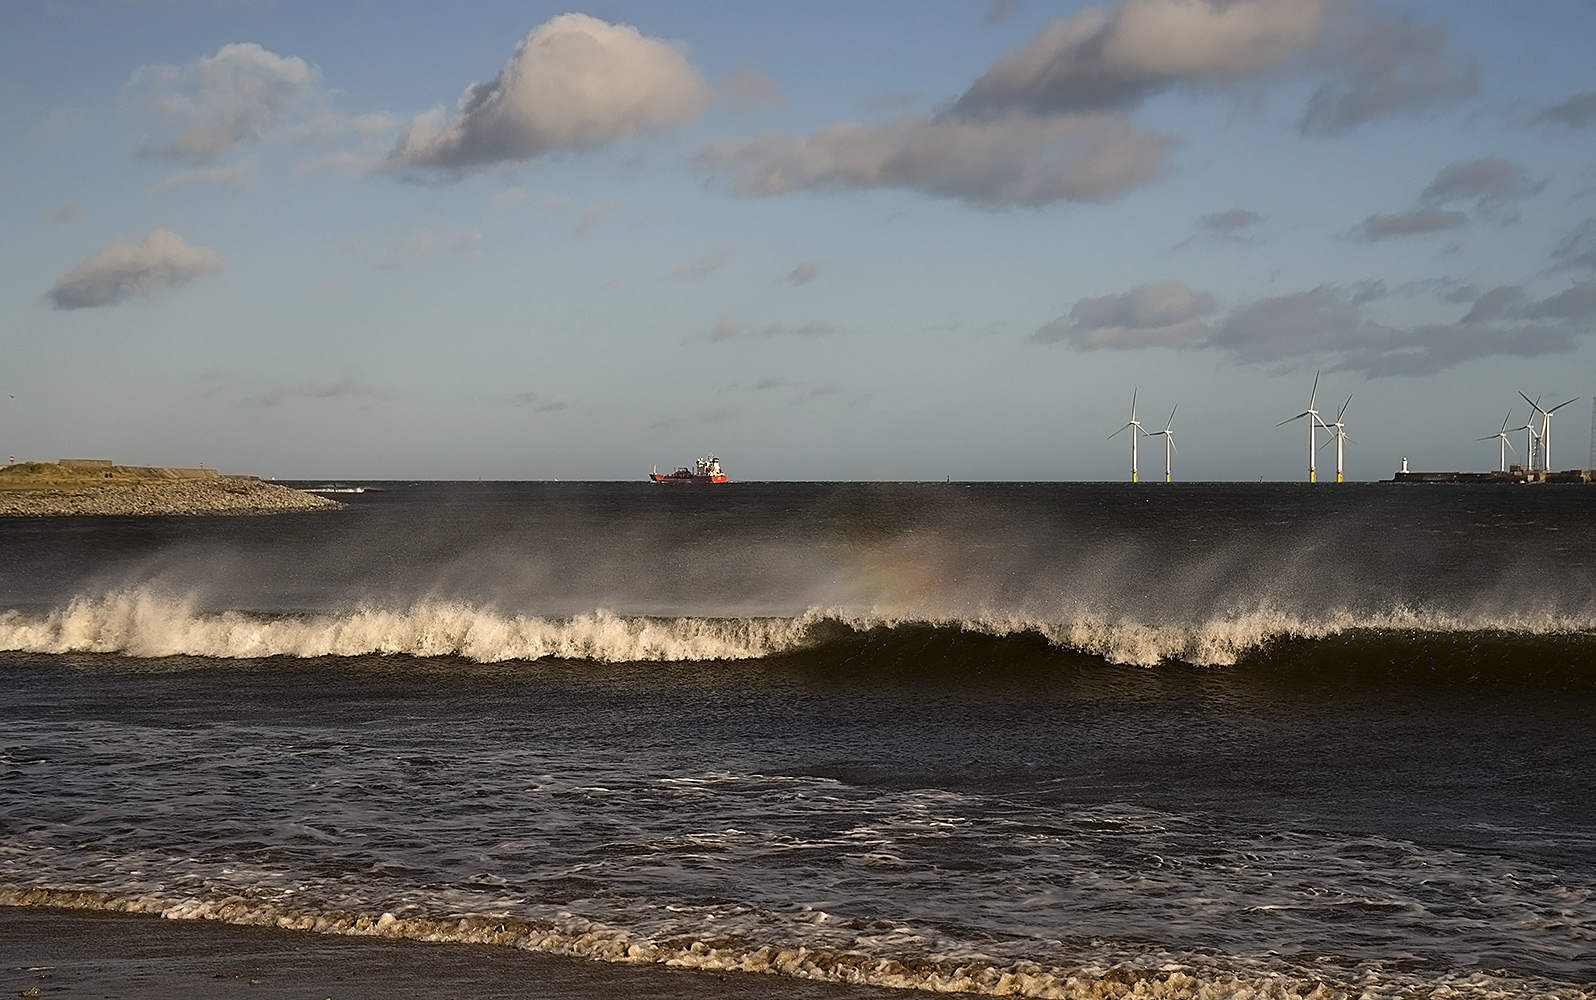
[73, 953]
[153, 497]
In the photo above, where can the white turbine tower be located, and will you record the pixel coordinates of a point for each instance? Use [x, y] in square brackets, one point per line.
[1531, 435]
[1314, 423]
[1546, 431]
[1168, 434]
[1506, 444]
[1136, 429]
[1338, 433]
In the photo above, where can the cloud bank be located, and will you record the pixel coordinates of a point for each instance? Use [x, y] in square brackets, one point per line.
[124, 270]
[1050, 122]
[1018, 160]
[1102, 59]
[1330, 322]
[574, 82]
[1489, 185]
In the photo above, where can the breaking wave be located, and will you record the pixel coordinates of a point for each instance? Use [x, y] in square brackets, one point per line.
[144, 623]
[1163, 976]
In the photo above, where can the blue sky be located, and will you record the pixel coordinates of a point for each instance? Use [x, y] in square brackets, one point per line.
[826, 241]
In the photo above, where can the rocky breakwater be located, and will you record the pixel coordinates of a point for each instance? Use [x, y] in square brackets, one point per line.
[43, 489]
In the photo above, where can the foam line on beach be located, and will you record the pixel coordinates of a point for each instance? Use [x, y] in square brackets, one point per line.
[1192, 979]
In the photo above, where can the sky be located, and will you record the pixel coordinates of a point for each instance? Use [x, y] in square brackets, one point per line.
[833, 241]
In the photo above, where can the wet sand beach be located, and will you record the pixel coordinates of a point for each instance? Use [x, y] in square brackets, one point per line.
[131, 957]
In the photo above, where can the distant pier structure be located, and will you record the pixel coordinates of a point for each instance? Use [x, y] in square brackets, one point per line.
[1514, 474]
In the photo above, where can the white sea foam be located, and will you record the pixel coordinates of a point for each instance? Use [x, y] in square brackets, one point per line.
[1172, 978]
[142, 622]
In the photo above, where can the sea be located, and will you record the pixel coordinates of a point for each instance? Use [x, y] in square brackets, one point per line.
[1030, 739]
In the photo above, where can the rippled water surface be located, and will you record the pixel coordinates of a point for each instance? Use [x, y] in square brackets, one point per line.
[913, 735]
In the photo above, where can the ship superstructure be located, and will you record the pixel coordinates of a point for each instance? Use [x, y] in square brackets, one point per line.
[704, 470]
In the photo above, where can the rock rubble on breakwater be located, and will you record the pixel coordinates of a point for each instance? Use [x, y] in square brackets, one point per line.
[46, 490]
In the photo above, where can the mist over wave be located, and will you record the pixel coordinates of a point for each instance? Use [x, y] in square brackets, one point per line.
[145, 622]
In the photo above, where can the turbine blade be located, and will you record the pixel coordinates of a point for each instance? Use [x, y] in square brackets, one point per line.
[1343, 408]
[1304, 413]
[1559, 406]
[1505, 420]
[1315, 393]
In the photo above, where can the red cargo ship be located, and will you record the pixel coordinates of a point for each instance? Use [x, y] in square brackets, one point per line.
[705, 470]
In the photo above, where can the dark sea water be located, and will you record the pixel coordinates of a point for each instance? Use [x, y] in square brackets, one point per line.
[1042, 739]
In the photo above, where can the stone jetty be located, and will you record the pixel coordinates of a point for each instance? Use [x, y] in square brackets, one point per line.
[46, 489]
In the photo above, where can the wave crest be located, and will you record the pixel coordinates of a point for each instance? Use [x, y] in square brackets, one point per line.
[144, 623]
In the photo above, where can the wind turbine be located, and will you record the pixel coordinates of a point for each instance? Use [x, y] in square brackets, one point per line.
[1314, 423]
[1338, 432]
[1546, 430]
[1136, 428]
[1530, 437]
[1506, 444]
[1168, 434]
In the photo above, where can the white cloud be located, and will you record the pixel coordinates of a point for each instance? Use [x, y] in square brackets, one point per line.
[241, 94]
[1047, 122]
[1102, 59]
[574, 82]
[220, 176]
[123, 270]
[1160, 314]
[990, 163]
[1112, 59]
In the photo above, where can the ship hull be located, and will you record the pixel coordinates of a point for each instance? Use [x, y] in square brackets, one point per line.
[670, 479]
